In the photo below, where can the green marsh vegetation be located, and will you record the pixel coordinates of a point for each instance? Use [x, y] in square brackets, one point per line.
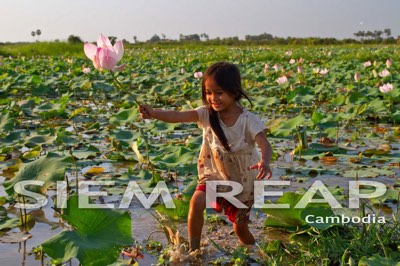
[61, 124]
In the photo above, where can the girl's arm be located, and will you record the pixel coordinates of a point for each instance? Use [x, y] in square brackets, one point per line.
[266, 153]
[147, 112]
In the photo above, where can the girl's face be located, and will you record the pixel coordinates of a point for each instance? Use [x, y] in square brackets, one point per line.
[217, 98]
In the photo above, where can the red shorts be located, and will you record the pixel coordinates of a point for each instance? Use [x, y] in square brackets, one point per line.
[234, 214]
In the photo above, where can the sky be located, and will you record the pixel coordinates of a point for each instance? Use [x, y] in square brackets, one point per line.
[58, 19]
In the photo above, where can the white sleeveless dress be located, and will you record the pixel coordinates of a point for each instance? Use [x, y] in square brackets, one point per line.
[215, 163]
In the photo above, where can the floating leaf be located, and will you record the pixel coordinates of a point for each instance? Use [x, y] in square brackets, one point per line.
[15, 237]
[124, 116]
[289, 217]
[7, 122]
[97, 238]
[89, 152]
[30, 154]
[377, 260]
[8, 223]
[148, 186]
[179, 213]
[93, 171]
[316, 217]
[286, 127]
[49, 168]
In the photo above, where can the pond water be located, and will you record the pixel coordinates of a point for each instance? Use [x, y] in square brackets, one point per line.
[145, 225]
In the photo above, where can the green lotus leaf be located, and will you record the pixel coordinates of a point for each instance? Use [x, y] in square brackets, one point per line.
[317, 213]
[377, 260]
[124, 116]
[14, 137]
[148, 186]
[7, 122]
[96, 238]
[179, 157]
[36, 80]
[9, 223]
[49, 168]
[289, 217]
[87, 153]
[179, 213]
[286, 127]
[102, 86]
[161, 127]
[190, 188]
[36, 140]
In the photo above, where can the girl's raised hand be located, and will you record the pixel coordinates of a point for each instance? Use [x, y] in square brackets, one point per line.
[145, 111]
[265, 170]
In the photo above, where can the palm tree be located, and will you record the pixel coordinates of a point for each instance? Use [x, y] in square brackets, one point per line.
[388, 32]
[38, 32]
[33, 33]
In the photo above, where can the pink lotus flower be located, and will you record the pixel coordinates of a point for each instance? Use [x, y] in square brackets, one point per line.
[324, 71]
[86, 70]
[276, 67]
[384, 73]
[386, 88]
[389, 63]
[266, 68]
[357, 76]
[104, 55]
[198, 75]
[282, 80]
[292, 61]
[299, 70]
[367, 63]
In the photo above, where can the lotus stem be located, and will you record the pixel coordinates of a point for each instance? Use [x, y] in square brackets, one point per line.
[22, 215]
[76, 169]
[123, 88]
[337, 133]
[25, 214]
[382, 245]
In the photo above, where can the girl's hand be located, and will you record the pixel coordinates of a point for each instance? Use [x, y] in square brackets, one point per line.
[146, 111]
[265, 170]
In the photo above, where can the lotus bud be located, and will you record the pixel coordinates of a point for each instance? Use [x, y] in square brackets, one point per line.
[198, 75]
[357, 77]
[367, 63]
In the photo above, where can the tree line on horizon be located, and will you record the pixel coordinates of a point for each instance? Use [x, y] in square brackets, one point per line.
[362, 37]
[369, 37]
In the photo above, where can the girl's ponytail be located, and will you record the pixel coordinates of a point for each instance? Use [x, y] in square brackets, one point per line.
[216, 127]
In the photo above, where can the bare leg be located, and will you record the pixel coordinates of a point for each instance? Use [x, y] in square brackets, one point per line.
[196, 218]
[243, 233]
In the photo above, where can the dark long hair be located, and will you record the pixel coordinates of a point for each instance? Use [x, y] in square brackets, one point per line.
[227, 76]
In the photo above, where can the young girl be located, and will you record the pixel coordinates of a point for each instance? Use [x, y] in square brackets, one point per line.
[228, 152]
